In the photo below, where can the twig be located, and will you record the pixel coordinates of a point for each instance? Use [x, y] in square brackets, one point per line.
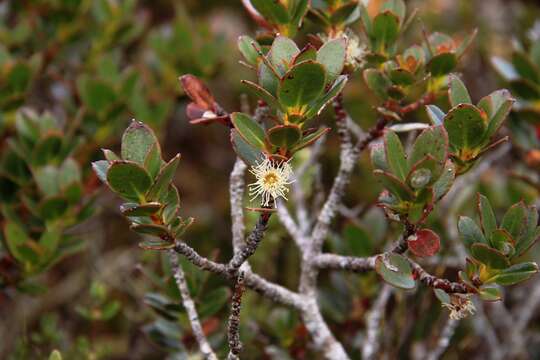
[251, 244]
[189, 305]
[233, 329]
[236, 190]
[359, 264]
[373, 329]
[444, 340]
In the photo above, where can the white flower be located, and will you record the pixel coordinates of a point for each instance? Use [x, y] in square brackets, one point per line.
[460, 306]
[272, 182]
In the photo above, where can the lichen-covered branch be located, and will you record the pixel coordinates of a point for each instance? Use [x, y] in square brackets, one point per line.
[189, 305]
[373, 324]
[236, 191]
[252, 243]
[358, 264]
[233, 329]
[437, 283]
[444, 340]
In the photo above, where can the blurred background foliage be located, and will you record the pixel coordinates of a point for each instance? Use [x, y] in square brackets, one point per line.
[73, 73]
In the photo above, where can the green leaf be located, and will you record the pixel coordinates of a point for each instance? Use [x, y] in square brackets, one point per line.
[358, 240]
[423, 173]
[155, 243]
[55, 355]
[470, 232]
[378, 156]
[47, 149]
[50, 240]
[128, 179]
[465, 126]
[431, 141]
[179, 226]
[489, 256]
[396, 271]
[526, 89]
[137, 141]
[264, 95]
[54, 207]
[47, 180]
[395, 6]
[445, 181]
[164, 179]
[442, 296]
[441, 64]
[172, 204]
[332, 56]
[247, 50]
[309, 52]
[133, 209]
[401, 77]
[267, 79]
[385, 30]
[153, 161]
[504, 68]
[394, 185]
[307, 140]
[435, 114]
[395, 155]
[457, 92]
[302, 7]
[214, 301]
[110, 155]
[100, 168]
[96, 94]
[151, 229]
[15, 237]
[284, 136]
[497, 105]
[490, 293]
[345, 14]
[516, 273]
[525, 67]
[377, 82]
[250, 131]
[514, 219]
[317, 106]
[501, 240]
[249, 154]
[531, 233]
[274, 11]
[302, 84]
[487, 216]
[282, 53]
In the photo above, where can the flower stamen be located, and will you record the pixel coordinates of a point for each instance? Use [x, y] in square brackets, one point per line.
[272, 180]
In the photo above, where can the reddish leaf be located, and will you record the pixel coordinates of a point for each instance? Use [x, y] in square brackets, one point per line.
[424, 243]
[198, 92]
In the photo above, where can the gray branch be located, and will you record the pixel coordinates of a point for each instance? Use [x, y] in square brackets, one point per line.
[189, 305]
[233, 329]
[444, 340]
[371, 344]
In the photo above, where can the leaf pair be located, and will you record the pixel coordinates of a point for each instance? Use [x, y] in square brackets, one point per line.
[146, 181]
[252, 142]
[470, 128]
[495, 246]
[415, 180]
[296, 83]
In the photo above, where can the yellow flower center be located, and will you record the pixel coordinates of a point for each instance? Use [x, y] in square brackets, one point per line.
[270, 179]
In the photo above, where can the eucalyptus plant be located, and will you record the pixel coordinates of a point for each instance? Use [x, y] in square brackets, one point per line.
[422, 164]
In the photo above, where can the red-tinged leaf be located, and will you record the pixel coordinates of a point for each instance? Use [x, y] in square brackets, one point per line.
[424, 243]
[197, 92]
